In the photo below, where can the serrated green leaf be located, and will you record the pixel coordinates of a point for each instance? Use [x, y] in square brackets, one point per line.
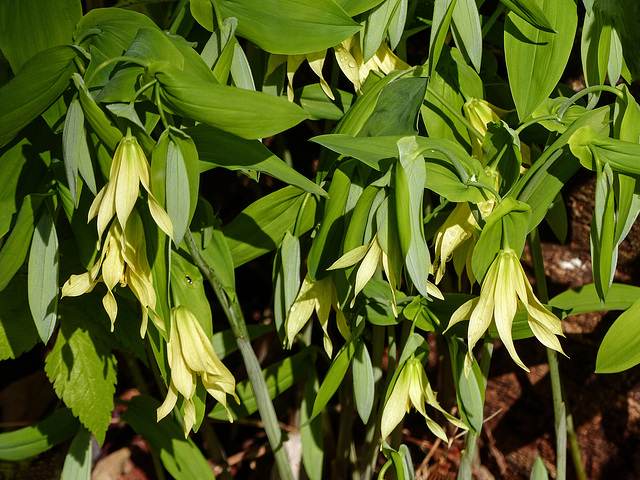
[15, 248]
[180, 456]
[289, 27]
[279, 377]
[260, 227]
[77, 463]
[43, 276]
[38, 84]
[82, 368]
[17, 333]
[221, 149]
[620, 347]
[536, 59]
[31, 441]
[29, 27]
[231, 109]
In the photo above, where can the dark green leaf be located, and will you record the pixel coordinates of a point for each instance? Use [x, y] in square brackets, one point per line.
[38, 84]
[221, 149]
[43, 276]
[334, 377]
[17, 333]
[31, 441]
[180, 456]
[289, 27]
[231, 109]
[363, 382]
[311, 432]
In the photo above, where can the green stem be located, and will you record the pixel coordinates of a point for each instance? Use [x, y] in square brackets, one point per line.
[461, 118]
[594, 88]
[533, 121]
[492, 19]
[178, 16]
[468, 454]
[563, 418]
[233, 312]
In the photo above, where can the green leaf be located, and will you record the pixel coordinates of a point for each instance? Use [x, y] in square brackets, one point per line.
[15, 248]
[224, 342]
[221, 149]
[17, 334]
[174, 169]
[326, 245]
[375, 27]
[289, 27]
[584, 299]
[363, 382]
[260, 227]
[467, 31]
[75, 151]
[409, 201]
[530, 12]
[83, 369]
[279, 377]
[355, 7]
[604, 252]
[588, 145]
[35, 25]
[508, 225]
[536, 59]
[179, 455]
[311, 432]
[316, 103]
[396, 109]
[539, 471]
[620, 347]
[231, 109]
[469, 391]
[442, 13]
[557, 218]
[334, 377]
[218, 256]
[286, 275]
[187, 287]
[43, 276]
[454, 82]
[38, 84]
[77, 463]
[31, 441]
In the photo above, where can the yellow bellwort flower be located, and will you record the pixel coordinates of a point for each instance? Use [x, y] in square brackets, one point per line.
[190, 354]
[480, 113]
[129, 169]
[505, 283]
[351, 61]
[412, 389]
[123, 261]
[318, 296]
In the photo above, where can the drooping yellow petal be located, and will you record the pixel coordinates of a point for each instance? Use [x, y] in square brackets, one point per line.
[127, 183]
[301, 310]
[316, 62]
[160, 216]
[169, 402]
[350, 258]
[111, 307]
[506, 301]
[397, 404]
[293, 63]
[367, 268]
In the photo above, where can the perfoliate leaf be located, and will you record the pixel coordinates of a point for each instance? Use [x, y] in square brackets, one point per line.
[232, 109]
[536, 59]
[289, 27]
[87, 384]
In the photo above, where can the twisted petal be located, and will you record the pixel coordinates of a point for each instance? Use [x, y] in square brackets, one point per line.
[169, 402]
[301, 310]
[111, 307]
[367, 268]
[127, 183]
